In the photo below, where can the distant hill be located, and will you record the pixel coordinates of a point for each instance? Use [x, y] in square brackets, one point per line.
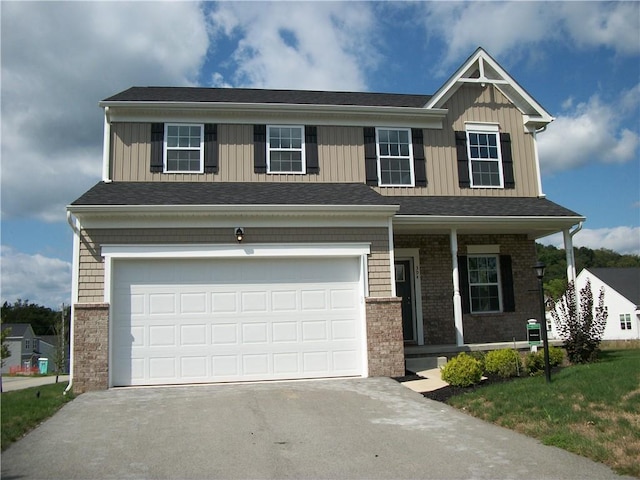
[555, 277]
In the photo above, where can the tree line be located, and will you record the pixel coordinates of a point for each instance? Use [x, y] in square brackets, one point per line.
[555, 276]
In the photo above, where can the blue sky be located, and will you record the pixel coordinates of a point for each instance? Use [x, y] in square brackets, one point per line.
[580, 60]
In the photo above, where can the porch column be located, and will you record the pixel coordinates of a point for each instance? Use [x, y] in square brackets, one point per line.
[571, 262]
[457, 298]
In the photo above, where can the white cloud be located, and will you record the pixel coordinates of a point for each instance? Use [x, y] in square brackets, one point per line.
[592, 132]
[517, 28]
[624, 240]
[305, 45]
[58, 60]
[39, 279]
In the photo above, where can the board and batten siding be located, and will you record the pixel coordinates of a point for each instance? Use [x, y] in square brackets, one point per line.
[91, 268]
[341, 151]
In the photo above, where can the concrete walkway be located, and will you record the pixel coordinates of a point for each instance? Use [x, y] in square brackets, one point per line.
[371, 428]
[20, 382]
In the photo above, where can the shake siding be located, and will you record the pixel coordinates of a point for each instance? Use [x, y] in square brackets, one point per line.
[91, 279]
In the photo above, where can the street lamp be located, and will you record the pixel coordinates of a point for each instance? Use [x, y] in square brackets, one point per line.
[539, 268]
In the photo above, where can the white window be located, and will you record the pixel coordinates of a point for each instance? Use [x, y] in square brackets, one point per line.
[184, 148]
[285, 149]
[27, 344]
[484, 283]
[485, 157]
[395, 157]
[625, 321]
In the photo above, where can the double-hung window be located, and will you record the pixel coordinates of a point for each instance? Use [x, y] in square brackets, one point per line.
[395, 157]
[484, 283]
[485, 157]
[184, 148]
[625, 321]
[285, 149]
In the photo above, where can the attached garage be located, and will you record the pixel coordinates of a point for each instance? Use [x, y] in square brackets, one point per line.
[236, 318]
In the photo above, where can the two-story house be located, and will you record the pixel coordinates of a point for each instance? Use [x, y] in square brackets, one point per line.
[242, 234]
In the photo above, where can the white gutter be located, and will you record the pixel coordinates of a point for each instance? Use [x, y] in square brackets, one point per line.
[106, 147]
[74, 223]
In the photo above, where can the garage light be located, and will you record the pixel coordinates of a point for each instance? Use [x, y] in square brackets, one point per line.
[239, 232]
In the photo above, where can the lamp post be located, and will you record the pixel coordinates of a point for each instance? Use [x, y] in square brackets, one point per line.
[539, 268]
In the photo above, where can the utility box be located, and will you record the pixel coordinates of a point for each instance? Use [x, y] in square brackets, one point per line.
[533, 332]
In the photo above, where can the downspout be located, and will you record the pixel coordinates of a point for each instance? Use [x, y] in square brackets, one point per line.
[537, 159]
[74, 223]
[106, 148]
[571, 262]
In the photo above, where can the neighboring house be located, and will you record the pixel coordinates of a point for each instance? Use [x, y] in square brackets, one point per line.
[23, 345]
[621, 297]
[242, 234]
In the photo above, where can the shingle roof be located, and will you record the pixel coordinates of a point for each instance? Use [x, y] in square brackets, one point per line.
[200, 193]
[625, 281]
[273, 193]
[249, 95]
[17, 329]
[481, 207]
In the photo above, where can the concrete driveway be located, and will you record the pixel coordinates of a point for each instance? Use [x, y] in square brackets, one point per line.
[351, 428]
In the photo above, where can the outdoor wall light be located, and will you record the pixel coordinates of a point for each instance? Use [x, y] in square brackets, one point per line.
[239, 233]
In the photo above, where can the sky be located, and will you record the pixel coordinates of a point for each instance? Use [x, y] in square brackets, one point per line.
[579, 60]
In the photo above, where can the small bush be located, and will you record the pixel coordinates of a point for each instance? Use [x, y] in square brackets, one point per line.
[480, 356]
[534, 362]
[504, 363]
[462, 371]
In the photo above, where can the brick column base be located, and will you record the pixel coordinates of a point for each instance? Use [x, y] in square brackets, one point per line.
[90, 347]
[385, 343]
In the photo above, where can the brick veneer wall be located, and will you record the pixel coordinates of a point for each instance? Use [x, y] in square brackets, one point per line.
[437, 288]
[385, 345]
[91, 347]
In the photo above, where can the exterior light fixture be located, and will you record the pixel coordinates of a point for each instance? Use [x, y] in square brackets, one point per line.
[239, 233]
[539, 268]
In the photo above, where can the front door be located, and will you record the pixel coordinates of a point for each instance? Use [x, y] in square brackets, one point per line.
[404, 289]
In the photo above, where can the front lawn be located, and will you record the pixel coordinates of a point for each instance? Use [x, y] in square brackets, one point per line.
[23, 410]
[592, 410]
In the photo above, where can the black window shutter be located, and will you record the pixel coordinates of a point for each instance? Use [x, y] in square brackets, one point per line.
[260, 148]
[507, 161]
[210, 148]
[419, 162]
[506, 276]
[311, 149]
[463, 276]
[157, 147]
[463, 160]
[370, 156]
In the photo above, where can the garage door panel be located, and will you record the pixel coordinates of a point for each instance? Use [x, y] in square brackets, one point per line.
[235, 320]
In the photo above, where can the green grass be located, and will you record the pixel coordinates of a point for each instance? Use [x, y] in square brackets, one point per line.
[592, 410]
[22, 410]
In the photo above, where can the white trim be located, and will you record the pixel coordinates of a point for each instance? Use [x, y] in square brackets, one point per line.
[414, 255]
[482, 129]
[499, 283]
[106, 147]
[457, 298]
[302, 150]
[534, 136]
[410, 158]
[392, 254]
[165, 147]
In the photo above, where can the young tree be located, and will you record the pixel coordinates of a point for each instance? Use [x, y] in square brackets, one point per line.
[580, 328]
[4, 348]
[61, 331]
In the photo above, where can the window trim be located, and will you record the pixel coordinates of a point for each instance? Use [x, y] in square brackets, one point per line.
[165, 147]
[302, 150]
[484, 128]
[498, 283]
[625, 321]
[410, 158]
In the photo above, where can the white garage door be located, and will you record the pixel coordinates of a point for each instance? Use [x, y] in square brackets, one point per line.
[212, 320]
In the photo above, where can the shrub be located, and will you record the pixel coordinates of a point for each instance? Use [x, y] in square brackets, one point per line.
[505, 363]
[580, 328]
[534, 362]
[479, 355]
[462, 371]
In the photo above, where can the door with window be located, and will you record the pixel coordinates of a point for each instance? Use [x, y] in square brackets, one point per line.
[404, 290]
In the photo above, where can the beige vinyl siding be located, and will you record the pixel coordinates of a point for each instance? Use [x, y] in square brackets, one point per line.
[340, 152]
[91, 271]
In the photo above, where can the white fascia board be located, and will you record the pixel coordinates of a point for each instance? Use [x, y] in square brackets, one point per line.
[506, 84]
[244, 250]
[344, 115]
